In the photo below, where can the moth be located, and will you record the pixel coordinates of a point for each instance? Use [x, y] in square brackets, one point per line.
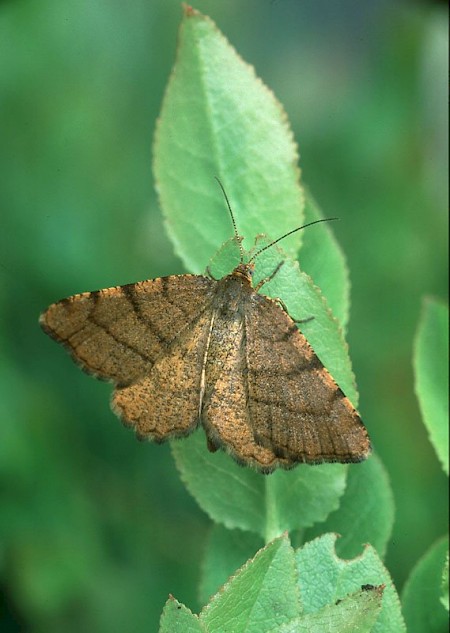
[186, 350]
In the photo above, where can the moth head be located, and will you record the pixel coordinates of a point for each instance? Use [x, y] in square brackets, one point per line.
[245, 271]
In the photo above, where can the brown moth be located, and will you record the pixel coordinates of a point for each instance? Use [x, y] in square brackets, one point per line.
[186, 350]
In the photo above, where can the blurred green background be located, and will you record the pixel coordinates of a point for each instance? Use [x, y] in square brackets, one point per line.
[96, 529]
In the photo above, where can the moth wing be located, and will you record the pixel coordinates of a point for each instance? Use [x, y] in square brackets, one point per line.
[295, 407]
[118, 333]
[225, 415]
[166, 402]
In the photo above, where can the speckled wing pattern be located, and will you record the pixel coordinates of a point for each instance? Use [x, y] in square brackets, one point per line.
[301, 413]
[187, 348]
[269, 401]
[149, 339]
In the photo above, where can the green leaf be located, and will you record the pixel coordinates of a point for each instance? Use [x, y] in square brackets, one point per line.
[356, 613]
[176, 618]
[219, 119]
[266, 504]
[421, 597]
[227, 492]
[226, 551]
[263, 594]
[324, 579]
[361, 517]
[444, 584]
[301, 497]
[324, 261]
[431, 374]
[225, 260]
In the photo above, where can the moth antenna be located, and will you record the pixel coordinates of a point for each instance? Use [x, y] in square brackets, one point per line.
[299, 228]
[236, 234]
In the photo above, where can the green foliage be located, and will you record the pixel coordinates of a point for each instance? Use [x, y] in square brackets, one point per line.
[365, 513]
[444, 585]
[96, 529]
[356, 612]
[423, 592]
[307, 591]
[324, 261]
[176, 618]
[425, 595]
[267, 505]
[225, 551]
[431, 373]
[324, 577]
[218, 119]
[251, 600]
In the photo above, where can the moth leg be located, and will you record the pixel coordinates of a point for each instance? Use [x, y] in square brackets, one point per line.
[307, 320]
[261, 283]
[283, 305]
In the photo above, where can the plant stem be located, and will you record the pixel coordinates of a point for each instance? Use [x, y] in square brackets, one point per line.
[272, 526]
